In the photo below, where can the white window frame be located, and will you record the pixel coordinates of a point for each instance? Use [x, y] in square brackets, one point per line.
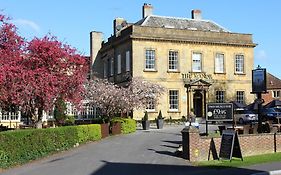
[105, 66]
[128, 61]
[196, 62]
[276, 94]
[111, 66]
[239, 64]
[220, 96]
[119, 64]
[219, 63]
[240, 96]
[173, 100]
[173, 60]
[150, 63]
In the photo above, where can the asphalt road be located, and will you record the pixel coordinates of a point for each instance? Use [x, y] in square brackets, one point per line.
[140, 153]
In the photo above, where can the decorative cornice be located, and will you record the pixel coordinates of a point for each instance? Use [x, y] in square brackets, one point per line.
[176, 40]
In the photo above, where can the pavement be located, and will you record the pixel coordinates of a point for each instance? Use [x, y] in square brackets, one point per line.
[141, 153]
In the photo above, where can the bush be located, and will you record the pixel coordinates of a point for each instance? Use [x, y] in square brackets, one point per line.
[145, 117]
[127, 125]
[18, 147]
[69, 120]
[88, 132]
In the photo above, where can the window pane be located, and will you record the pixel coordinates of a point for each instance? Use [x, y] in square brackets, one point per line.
[220, 96]
[150, 59]
[150, 104]
[119, 64]
[219, 63]
[173, 100]
[105, 68]
[196, 62]
[128, 61]
[173, 60]
[239, 64]
[240, 97]
[112, 66]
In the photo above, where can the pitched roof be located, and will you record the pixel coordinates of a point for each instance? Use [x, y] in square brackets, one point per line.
[180, 23]
[272, 82]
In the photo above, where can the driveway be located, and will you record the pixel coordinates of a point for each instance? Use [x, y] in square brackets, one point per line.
[140, 153]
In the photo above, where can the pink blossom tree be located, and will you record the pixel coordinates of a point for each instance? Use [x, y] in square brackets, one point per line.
[113, 99]
[12, 49]
[34, 74]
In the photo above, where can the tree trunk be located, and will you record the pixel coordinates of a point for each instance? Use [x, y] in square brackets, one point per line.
[38, 123]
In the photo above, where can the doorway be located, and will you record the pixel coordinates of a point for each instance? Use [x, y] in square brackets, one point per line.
[198, 103]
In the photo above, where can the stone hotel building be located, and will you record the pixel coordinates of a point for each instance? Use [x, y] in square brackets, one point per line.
[196, 60]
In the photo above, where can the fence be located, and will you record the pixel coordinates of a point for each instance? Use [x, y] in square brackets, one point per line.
[87, 111]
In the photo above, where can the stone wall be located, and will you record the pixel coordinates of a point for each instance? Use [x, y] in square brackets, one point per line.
[250, 144]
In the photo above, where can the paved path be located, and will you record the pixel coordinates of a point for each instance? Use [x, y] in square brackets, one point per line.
[142, 153]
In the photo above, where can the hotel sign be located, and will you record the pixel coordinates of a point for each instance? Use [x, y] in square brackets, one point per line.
[219, 112]
[195, 75]
[259, 81]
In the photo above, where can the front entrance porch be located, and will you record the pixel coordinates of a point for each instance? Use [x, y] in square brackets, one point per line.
[197, 95]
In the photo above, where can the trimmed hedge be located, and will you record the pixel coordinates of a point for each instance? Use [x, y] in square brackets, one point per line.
[127, 125]
[18, 147]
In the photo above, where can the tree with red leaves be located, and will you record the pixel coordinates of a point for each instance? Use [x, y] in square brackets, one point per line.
[34, 74]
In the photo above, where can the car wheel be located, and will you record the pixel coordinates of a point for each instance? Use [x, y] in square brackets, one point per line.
[241, 121]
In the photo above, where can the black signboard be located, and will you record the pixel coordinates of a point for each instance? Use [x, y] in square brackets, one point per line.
[230, 146]
[213, 150]
[219, 112]
[259, 81]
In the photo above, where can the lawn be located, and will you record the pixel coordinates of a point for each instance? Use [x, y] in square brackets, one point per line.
[235, 162]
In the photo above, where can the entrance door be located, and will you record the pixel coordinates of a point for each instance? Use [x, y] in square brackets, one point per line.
[198, 103]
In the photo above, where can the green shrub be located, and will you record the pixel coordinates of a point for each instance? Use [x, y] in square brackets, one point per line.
[127, 125]
[88, 132]
[145, 117]
[160, 115]
[18, 147]
[69, 120]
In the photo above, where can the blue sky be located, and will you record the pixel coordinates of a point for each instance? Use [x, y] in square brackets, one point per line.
[71, 21]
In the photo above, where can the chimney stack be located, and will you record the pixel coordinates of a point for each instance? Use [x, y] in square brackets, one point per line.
[118, 25]
[146, 10]
[96, 39]
[196, 14]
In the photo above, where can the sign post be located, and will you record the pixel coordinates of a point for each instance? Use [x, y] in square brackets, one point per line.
[259, 87]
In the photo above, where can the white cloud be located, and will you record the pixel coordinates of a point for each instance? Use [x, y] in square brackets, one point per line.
[27, 23]
[261, 55]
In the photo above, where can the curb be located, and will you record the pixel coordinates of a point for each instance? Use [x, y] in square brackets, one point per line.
[277, 172]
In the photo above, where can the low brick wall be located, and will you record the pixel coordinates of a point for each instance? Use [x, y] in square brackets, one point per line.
[196, 147]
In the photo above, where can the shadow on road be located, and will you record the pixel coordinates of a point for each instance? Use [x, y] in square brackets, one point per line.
[118, 168]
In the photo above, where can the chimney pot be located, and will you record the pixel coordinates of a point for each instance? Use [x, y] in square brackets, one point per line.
[196, 14]
[147, 10]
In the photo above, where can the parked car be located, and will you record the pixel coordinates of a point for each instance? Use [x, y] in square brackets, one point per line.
[244, 116]
[270, 114]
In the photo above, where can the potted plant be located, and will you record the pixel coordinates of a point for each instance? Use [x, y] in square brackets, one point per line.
[115, 126]
[145, 122]
[160, 120]
[104, 123]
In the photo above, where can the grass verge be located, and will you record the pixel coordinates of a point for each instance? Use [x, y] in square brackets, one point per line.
[235, 162]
